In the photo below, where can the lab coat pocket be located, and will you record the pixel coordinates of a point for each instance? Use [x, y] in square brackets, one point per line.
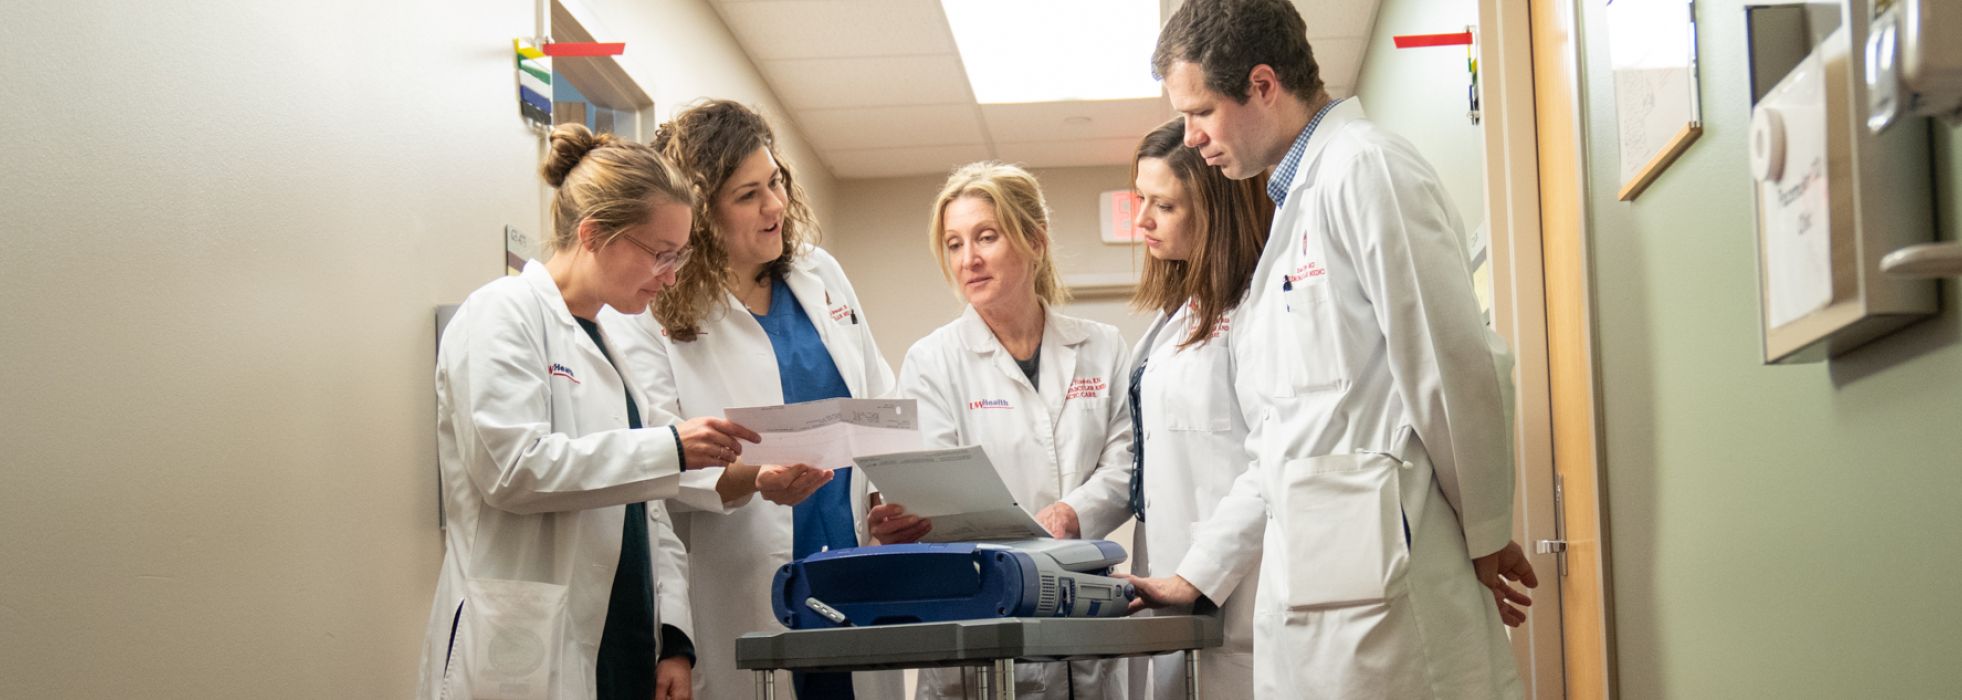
[1344, 526]
[1200, 405]
[509, 637]
[1310, 352]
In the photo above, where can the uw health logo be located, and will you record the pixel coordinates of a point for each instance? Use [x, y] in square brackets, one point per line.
[559, 370]
[988, 403]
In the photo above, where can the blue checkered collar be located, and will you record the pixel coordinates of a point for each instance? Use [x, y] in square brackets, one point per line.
[1277, 183]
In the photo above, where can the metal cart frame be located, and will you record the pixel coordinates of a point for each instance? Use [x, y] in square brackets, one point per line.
[992, 645]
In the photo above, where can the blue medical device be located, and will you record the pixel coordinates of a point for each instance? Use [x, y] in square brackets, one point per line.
[903, 583]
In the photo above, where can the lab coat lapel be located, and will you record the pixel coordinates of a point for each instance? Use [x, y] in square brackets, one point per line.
[1058, 364]
[980, 340]
[540, 280]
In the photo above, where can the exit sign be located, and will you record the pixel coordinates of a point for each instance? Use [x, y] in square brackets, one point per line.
[1116, 210]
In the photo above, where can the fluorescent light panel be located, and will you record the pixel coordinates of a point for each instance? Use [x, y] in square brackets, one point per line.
[1055, 50]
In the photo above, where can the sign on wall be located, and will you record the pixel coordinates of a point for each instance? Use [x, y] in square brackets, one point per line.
[1652, 49]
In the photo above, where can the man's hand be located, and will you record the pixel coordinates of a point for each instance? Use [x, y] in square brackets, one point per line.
[1060, 520]
[1162, 592]
[712, 442]
[1507, 564]
[889, 523]
[673, 679]
[790, 484]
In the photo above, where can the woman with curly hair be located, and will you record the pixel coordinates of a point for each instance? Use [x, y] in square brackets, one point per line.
[760, 316]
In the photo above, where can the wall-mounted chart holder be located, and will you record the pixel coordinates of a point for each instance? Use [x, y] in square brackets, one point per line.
[1832, 197]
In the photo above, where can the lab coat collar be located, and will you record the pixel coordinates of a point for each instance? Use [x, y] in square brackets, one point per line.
[1338, 117]
[979, 339]
[540, 280]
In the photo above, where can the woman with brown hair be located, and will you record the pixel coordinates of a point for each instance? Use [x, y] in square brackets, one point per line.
[1203, 235]
[761, 316]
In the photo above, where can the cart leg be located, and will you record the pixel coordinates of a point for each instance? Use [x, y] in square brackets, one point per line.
[1004, 679]
[1192, 674]
[766, 684]
[983, 681]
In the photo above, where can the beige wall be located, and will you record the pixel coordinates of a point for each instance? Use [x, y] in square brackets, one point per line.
[1775, 532]
[688, 55]
[219, 451]
[879, 234]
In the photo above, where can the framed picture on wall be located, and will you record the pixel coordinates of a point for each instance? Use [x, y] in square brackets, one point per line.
[1652, 50]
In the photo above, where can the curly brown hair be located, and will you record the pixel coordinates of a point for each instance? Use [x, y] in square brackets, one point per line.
[707, 141]
[1230, 218]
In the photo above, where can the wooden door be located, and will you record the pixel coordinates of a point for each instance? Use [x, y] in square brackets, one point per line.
[1535, 174]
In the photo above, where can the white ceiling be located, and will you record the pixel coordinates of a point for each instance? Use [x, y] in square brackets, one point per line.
[878, 87]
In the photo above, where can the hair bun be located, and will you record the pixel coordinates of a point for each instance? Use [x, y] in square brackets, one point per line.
[570, 144]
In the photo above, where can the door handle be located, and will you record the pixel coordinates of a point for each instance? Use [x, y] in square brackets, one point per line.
[1550, 546]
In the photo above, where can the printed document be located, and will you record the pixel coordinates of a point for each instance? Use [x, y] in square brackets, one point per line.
[957, 488]
[826, 433]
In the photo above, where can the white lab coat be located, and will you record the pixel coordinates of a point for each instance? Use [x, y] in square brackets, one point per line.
[1193, 445]
[537, 467]
[734, 555]
[1372, 391]
[1070, 441]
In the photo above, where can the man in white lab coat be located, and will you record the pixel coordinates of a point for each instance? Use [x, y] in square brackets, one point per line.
[1372, 390]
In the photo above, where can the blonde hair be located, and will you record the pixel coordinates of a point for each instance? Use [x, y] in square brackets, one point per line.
[708, 141]
[1020, 211]
[609, 181]
[1229, 221]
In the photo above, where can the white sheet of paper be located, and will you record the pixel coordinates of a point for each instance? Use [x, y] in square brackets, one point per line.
[825, 434]
[957, 488]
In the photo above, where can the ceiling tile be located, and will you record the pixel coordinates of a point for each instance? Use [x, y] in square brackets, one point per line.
[826, 83]
[1336, 18]
[891, 127]
[1070, 154]
[781, 29]
[1052, 121]
[1340, 59]
[893, 162]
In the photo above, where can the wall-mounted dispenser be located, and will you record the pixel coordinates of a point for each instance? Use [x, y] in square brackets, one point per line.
[1910, 72]
[1832, 196]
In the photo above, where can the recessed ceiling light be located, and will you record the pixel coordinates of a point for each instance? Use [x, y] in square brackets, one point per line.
[1055, 50]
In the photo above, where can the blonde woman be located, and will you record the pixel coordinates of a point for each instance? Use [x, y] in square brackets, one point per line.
[761, 316]
[1041, 392]
[551, 550]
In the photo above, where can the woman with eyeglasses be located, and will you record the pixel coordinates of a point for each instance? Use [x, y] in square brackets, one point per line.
[555, 540]
[761, 316]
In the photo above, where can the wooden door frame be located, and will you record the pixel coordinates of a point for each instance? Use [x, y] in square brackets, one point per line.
[1529, 59]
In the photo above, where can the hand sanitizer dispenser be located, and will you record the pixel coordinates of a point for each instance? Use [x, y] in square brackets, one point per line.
[1911, 71]
[1833, 196]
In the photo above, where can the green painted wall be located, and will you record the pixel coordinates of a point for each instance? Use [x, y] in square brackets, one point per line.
[1788, 532]
[1421, 94]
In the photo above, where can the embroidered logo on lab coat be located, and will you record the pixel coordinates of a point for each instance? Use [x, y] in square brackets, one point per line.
[559, 370]
[1311, 271]
[988, 403]
[1220, 327]
[1086, 388]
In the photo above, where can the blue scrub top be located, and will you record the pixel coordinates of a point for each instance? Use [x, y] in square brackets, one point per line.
[804, 366]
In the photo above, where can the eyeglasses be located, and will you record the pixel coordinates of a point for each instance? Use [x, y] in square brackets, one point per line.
[663, 262]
